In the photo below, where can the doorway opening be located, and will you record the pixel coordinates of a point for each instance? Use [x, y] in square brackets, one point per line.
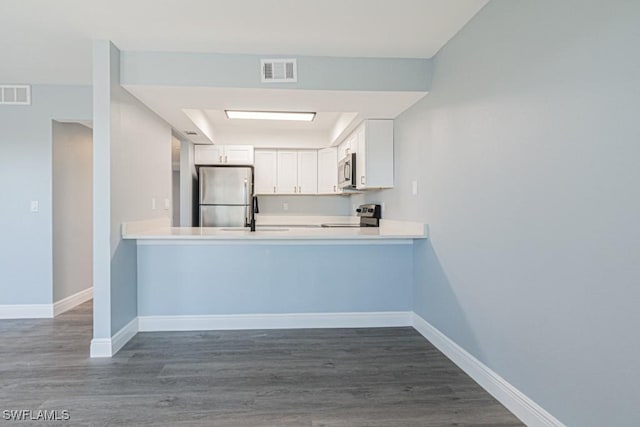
[72, 215]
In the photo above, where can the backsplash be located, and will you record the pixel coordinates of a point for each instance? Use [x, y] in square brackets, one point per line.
[305, 205]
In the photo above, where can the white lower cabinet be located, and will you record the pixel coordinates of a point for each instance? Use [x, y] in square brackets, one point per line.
[328, 171]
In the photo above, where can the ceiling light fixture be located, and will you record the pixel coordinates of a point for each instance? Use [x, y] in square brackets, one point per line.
[270, 115]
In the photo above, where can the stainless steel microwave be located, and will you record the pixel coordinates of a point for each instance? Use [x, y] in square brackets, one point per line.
[347, 172]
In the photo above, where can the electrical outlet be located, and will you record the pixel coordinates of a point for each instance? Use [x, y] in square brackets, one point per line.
[382, 206]
[153, 203]
[35, 206]
[414, 188]
[167, 204]
[285, 206]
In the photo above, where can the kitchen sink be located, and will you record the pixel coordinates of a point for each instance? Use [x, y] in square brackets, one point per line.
[258, 228]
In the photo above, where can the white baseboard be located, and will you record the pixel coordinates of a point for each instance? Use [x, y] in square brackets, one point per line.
[72, 301]
[100, 347]
[107, 347]
[26, 311]
[44, 311]
[275, 321]
[513, 399]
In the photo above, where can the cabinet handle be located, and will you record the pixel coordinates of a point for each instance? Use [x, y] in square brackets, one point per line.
[294, 189]
[334, 188]
[362, 179]
[274, 188]
[299, 189]
[225, 159]
[221, 158]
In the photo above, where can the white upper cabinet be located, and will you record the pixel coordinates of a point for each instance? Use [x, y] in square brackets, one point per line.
[328, 171]
[238, 154]
[208, 154]
[374, 155]
[265, 171]
[308, 172]
[316, 171]
[287, 182]
[360, 150]
[344, 149]
[223, 155]
[297, 172]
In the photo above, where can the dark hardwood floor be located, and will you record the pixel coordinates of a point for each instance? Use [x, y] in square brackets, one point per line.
[311, 377]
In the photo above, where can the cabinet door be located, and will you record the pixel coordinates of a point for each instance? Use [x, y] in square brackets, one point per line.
[328, 170]
[238, 154]
[265, 171]
[208, 155]
[308, 172]
[361, 157]
[344, 149]
[287, 176]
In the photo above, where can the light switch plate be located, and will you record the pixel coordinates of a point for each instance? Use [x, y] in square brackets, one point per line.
[414, 188]
[35, 206]
[153, 203]
[285, 206]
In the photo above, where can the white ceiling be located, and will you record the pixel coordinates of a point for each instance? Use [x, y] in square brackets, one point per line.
[201, 109]
[50, 41]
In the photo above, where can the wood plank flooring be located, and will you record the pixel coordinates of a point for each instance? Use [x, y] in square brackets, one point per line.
[311, 377]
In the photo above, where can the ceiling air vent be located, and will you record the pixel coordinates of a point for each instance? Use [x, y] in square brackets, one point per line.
[15, 95]
[279, 70]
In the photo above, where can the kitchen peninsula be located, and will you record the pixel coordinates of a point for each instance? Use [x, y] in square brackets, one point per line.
[284, 275]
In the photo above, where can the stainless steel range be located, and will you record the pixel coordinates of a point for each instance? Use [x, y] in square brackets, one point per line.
[369, 217]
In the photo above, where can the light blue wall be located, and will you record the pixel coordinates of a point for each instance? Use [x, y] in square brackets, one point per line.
[25, 175]
[243, 71]
[527, 152]
[243, 279]
[132, 165]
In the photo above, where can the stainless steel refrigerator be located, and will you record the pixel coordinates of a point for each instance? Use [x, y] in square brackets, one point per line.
[226, 196]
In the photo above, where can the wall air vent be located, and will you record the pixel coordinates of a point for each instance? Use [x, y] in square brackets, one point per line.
[279, 70]
[15, 95]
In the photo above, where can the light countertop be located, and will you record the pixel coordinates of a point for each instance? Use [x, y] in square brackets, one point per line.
[287, 229]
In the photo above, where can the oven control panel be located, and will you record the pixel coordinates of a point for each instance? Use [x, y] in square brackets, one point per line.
[369, 215]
